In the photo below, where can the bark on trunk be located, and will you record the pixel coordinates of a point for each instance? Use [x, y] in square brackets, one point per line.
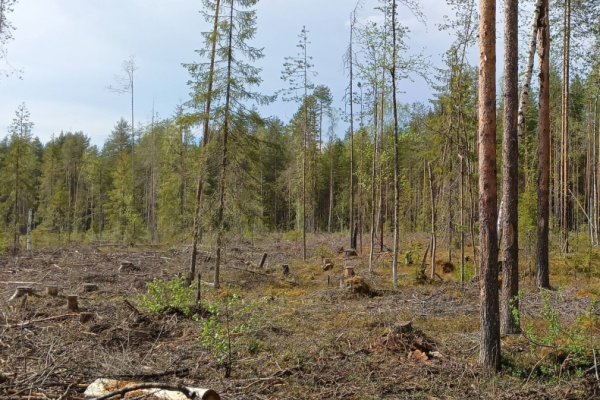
[489, 354]
[221, 211]
[396, 177]
[510, 173]
[200, 186]
[528, 68]
[542, 270]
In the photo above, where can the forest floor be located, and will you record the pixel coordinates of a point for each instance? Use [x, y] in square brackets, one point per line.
[295, 336]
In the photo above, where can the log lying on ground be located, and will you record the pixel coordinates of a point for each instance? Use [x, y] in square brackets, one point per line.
[103, 388]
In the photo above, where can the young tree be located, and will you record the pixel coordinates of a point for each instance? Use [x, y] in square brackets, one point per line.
[19, 173]
[125, 84]
[296, 72]
[510, 170]
[123, 216]
[489, 351]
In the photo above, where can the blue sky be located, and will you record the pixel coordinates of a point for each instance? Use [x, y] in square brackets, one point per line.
[71, 50]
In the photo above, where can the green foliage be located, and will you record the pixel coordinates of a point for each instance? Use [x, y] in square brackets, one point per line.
[528, 211]
[567, 342]
[169, 296]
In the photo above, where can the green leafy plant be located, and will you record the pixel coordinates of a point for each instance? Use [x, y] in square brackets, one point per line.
[169, 296]
[572, 343]
[216, 334]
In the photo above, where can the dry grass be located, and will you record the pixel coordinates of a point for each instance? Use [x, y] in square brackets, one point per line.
[303, 337]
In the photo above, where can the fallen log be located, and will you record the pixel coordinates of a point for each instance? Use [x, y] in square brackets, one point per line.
[103, 389]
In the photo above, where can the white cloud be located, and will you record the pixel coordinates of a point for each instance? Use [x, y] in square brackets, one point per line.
[70, 51]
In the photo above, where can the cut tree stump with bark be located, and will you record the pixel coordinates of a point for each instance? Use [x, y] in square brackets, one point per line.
[52, 290]
[22, 291]
[73, 303]
[90, 287]
[262, 261]
[85, 317]
[350, 253]
[127, 266]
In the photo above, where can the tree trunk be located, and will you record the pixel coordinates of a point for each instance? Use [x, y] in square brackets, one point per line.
[565, 129]
[304, 149]
[489, 352]
[374, 184]
[221, 211]
[205, 133]
[433, 220]
[350, 62]
[528, 68]
[542, 270]
[510, 172]
[396, 161]
[462, 219]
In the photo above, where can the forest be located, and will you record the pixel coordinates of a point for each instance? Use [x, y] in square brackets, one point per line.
[447, 249]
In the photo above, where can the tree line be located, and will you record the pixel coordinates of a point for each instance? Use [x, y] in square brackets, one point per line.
[218, 168]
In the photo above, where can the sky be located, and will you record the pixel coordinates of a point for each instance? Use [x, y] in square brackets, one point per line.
[70, 51]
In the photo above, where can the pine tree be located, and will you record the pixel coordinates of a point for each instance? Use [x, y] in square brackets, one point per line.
[19, 174]
[297, 72]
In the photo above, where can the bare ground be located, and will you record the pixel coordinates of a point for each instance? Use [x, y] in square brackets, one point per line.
[304, 338]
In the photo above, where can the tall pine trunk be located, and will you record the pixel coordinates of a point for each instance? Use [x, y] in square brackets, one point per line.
[489, 351]
[565, 128]
[396, 155]
[510, 171]
[205, 132]
[221, 211]
[542, 270]
[352, 211]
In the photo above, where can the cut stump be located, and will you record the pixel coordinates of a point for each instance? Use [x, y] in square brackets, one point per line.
[73, 303]
[52, 290]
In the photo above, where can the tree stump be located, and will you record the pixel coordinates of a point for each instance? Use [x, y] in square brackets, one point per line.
[327, 266]
[21, 291]
[285, 269]
[350, 253]
[52, 290]
[73, 303]
[127, 266]
[262, 261]
[349, 271]
[90, 287]
[85, 317]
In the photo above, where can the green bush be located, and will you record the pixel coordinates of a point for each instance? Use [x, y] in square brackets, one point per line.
[169, 296]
